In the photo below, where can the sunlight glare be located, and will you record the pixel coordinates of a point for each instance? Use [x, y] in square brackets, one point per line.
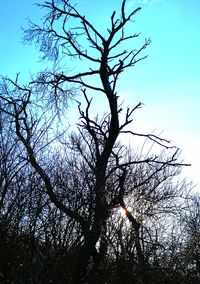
[123, 211]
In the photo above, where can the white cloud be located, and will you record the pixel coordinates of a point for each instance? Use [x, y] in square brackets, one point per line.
[143, 1]
[132, 3]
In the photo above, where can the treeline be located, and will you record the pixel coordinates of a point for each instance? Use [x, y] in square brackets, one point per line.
[40, 244]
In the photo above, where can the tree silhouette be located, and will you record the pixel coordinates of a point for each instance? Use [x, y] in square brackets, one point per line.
[92, 174]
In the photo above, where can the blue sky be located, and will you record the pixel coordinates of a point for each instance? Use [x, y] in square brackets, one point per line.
[167, 82]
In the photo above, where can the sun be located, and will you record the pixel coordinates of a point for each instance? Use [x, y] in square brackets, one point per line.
[123, 211]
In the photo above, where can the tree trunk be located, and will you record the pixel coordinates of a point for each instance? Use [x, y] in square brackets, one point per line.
[85, 270]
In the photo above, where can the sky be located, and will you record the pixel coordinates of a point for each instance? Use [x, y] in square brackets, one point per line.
[167, 82]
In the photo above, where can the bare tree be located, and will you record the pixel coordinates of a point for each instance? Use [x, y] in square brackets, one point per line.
[94, 151]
